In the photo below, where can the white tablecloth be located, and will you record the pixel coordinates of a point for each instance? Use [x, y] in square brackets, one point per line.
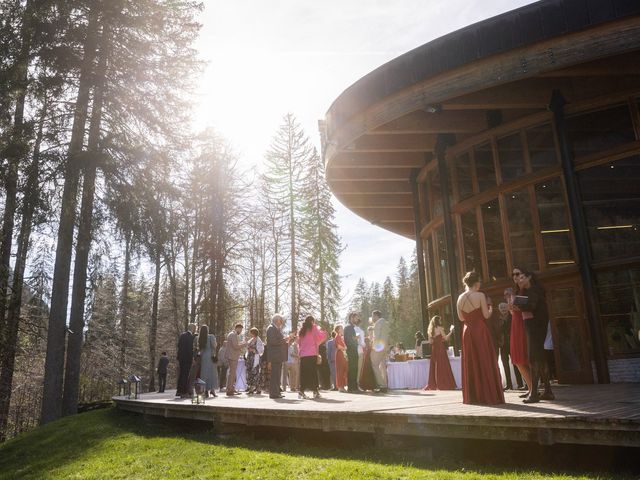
[415, 373]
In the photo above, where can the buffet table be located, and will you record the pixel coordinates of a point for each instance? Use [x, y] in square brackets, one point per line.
[414, 374]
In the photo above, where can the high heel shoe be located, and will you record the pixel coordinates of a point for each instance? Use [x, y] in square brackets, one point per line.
[302, 396]
[316, 394]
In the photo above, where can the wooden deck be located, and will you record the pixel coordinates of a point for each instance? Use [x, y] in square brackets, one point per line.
[581, 414]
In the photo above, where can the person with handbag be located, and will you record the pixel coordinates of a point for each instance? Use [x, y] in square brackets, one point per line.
[207, 348]
[310, 337]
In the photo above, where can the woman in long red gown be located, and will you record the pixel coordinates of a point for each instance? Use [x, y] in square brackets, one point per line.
[341, 361]
[518, 343]
[367, 378]
[481, 381]
[440, 374]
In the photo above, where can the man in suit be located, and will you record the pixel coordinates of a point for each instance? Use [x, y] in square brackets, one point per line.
[234, 347]
[185, 358]
[351, 339]
[163, 363]
[277, 352]
[379, 350]
[223, 364]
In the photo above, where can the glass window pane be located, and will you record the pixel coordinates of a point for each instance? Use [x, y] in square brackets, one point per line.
[463, 176]
[494, 242]
[619, 302]
[444, 261]
[511, 157]
[554, 223]
[598, 131]
[542, 148]
[430, 268]
[611, 202]
[471, 242]
[485, 169]
[523, 245]
[436, 193]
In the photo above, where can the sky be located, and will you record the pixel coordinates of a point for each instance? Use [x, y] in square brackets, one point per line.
[267, 58]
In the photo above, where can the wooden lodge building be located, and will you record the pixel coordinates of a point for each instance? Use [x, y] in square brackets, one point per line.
[514, 141]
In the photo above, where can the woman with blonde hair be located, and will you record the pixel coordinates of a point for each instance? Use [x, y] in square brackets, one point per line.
[440, 374]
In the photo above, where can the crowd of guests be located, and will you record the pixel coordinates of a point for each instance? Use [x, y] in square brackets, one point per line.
[353, 360]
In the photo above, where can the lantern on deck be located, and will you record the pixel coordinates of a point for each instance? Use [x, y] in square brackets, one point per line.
[123, 390]
[134, 387]
[198, 391]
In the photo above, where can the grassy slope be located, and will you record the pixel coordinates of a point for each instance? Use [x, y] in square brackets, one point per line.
[110, 444]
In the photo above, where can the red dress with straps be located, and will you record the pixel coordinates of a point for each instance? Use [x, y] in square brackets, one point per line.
[440, 374]
[481, 381]
[341, 363]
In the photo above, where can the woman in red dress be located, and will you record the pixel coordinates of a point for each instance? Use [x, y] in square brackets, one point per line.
[367, 378]
[481, 382]
[341, 361]
[440, 374]
[518, 343]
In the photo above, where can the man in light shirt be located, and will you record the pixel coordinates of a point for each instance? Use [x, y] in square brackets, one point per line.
[379, 350]
[360, 337]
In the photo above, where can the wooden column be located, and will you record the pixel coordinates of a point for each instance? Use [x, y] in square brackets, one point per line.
[444, 141]
[574, 197]
[424, 294]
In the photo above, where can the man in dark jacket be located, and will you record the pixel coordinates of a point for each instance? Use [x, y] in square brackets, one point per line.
[276, 353]
[185, 359]
[351, 339]
[163, 363]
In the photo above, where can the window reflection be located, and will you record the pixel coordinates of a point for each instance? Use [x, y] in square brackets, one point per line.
[485, 169]
[424, 204]
[619, 302]
[430, 267]
[494, 242]
[611, 201]
[436, 193]
[554, 223]
[542, 148]
[511, 157]
[444, 261]
[471, 242]
[523, 246]
[463, 176]
[598, 131]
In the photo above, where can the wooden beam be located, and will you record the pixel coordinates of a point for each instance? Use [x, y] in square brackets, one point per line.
[422, 122]
[395, 200]
[386, 215]
[393, 143]
[373, 187]
[365, 175]
[379, 160]
[627, 64]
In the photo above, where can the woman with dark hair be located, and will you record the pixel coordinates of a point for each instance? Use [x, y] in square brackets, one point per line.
[255, 350]
[207, 348]
[310, 337]
[518, 340]
[419, 339]
[341, 360]
[481, 382]
[440, 374]
[536, 317]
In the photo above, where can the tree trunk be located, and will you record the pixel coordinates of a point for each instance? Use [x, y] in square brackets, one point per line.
[83, 246]
[153, 328]
[292, 233]
[8, 357]
[54, 360]
[124, 308]
[15, 153]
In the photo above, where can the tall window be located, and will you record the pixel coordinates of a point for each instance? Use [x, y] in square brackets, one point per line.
[471, 241]
[430, 268]
[494, 241]
[619, 302]
[599, 131]
[611, 202]
[424, 204]
[521, 234]
[554, 223]
[464, 179]
[436, 193]
[511, 157]
[485, 169]
[443, 267]
[542, 148]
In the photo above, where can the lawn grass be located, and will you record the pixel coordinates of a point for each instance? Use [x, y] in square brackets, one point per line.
[109, 444]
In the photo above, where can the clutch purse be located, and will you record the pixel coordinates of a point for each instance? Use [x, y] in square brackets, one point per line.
[521, 301]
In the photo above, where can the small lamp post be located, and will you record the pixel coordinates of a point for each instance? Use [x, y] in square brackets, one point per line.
[198, 392]
[123, 391]
[134, 387]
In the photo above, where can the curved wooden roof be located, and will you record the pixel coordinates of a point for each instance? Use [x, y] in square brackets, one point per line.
[383, 128]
